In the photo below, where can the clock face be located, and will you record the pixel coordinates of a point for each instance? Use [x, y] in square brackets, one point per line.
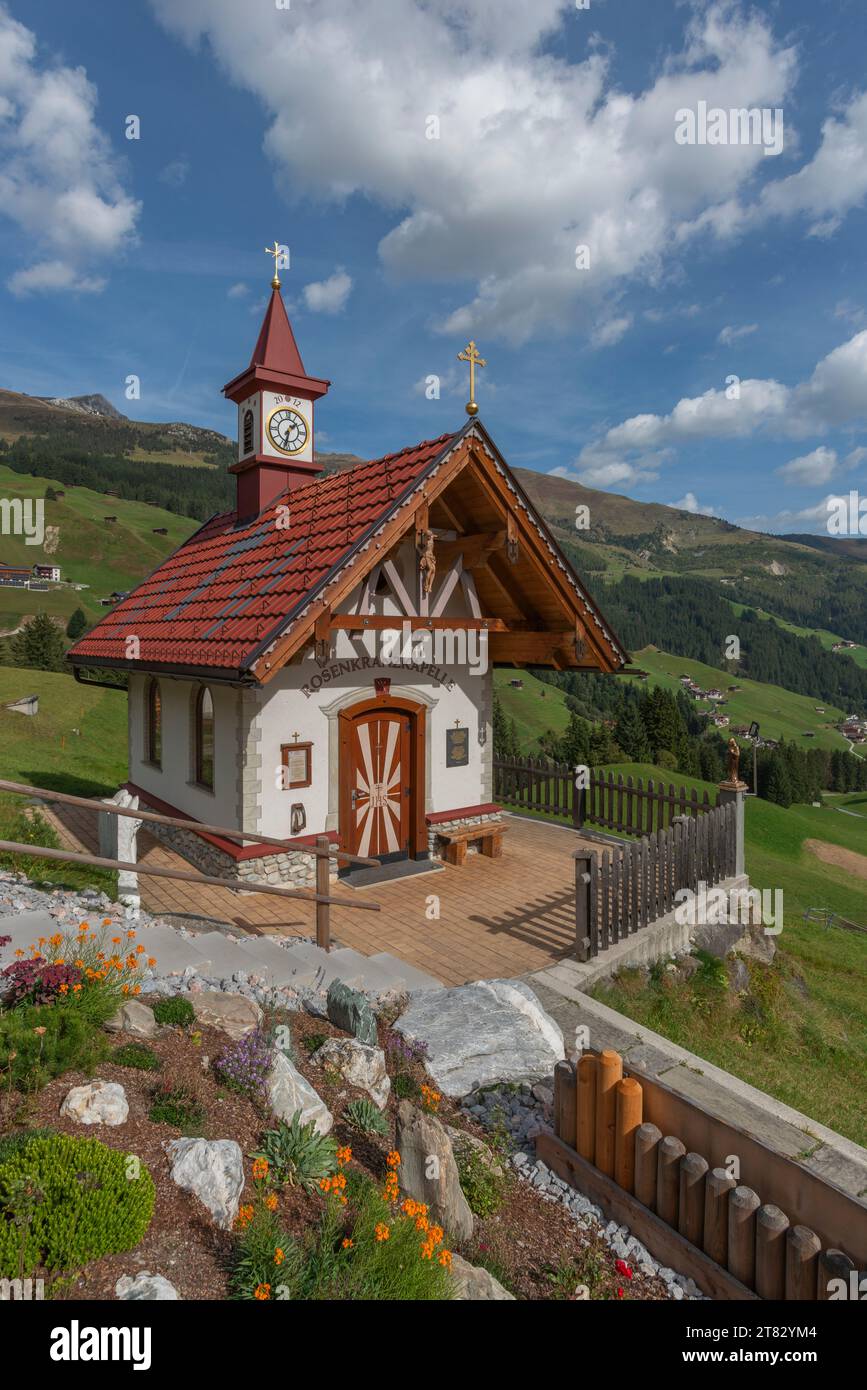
[287, 430]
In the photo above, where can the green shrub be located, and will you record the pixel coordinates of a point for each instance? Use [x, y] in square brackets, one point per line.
[405, 1087]
[175, 1012]
[138, 1055]
[363, 1115]
[65, 1202]
[178, 1106]
[70, 1042]
[313, 1042]
[297, 1154]
[483, 1183]
[11, 1143]
[322, 1268]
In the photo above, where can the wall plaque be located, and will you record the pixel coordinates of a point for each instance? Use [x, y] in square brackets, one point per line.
[457, 747]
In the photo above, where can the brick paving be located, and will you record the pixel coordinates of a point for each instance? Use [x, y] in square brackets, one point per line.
[497, 917]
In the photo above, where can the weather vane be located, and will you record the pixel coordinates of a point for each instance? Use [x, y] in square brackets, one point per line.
[470, 354]
[275, 251]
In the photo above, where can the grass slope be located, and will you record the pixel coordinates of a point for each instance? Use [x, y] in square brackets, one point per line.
[536, 709]
[780, 713]
[107, 557]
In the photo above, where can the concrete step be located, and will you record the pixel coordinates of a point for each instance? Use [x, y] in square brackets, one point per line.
[405, 975]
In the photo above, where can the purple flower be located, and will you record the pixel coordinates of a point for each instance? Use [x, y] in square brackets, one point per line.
[245, 1064]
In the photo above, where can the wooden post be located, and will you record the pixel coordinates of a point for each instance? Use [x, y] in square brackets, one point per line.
[629, 1100]
[566, 1103]
[588, 1068]
[771, 1227]
[717, 1187]
[610, 1072]
[690, 1206]
[670, 1152]
[582, 903]
[743, 1205]
[647, 1138]
[802, 1262]
[323, 918]
[833, 1264]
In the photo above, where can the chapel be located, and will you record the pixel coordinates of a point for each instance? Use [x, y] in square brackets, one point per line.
[319, 659]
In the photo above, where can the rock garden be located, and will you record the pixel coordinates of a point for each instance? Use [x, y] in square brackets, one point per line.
[198, 1144]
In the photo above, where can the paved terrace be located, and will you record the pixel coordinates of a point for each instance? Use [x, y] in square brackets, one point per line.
[498, 917]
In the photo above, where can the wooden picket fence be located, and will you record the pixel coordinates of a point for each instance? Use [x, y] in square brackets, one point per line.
[622, 889]
[625, 806]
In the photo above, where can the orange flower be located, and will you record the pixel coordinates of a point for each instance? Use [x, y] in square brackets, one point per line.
[381, 1231]
[446, 1259]
[421, 1223]
[116, 940]
[152, 960]
[279, 1257]
[346, 1244]
[39, 1032]
[19, 952]
[393, 1159]
[271, 1201]
[139, 950]
[245, 1216]
[263, 1292]
[79, 964]
[136, 989]
[344, 1154]
[106, 921]
[260, 1168]
[124, 989]
[76, 989]
[130, 936]
[64, 989]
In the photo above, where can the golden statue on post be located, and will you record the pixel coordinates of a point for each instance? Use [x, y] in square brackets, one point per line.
[734, 758]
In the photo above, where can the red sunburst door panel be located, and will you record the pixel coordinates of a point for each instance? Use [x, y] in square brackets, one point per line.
[380, 785]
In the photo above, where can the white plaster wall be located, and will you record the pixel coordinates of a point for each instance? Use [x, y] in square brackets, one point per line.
[173, 781]
[301, 698]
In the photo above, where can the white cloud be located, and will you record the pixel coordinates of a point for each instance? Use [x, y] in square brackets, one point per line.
[806, 518]
[608, 333]
[816, 467]
[834, 396]
[535, 155]
[729, 334]
[238, 291]
[607, 475]
[690, 503]
[53, 275]
[175, 173]
[328, 296]
[58, 180]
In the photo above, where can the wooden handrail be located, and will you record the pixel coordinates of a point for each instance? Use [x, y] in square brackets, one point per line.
[234, 884]
[67, 799]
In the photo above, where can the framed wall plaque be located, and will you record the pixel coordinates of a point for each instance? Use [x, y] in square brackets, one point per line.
[297, 760]
[457, 747]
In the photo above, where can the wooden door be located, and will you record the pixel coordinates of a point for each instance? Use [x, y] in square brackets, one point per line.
[380, 784]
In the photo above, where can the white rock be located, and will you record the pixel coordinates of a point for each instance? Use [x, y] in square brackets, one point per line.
[152, 1287]
[96, 1103]
[359, 1065]
[133, 1018]
[213, 1170]
[482, 1034]
[289, 1093]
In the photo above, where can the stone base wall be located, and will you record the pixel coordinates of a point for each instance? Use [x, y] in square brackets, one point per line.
[444, 827]
[290, 867]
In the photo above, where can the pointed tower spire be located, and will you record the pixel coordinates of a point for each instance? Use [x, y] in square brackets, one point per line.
[275, 399]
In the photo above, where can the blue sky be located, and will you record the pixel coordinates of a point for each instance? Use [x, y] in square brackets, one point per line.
[310, 123]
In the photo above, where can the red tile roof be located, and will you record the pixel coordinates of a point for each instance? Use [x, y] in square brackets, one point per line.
[230, 588]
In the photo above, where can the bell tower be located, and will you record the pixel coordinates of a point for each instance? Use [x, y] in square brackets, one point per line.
[275, 399]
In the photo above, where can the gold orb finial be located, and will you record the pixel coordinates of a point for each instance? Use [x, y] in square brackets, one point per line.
[276, 251]
[470, 354]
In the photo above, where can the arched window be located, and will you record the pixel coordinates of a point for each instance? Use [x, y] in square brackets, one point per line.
[154, 723]
[248, 431]
[204, 738]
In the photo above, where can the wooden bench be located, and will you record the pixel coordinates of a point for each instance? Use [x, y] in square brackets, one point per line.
[489, 835]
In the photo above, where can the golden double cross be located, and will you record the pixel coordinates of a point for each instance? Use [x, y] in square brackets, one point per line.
[471, 354]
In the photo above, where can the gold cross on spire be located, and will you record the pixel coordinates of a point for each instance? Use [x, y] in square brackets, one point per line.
[470, 354]
[275, 251]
